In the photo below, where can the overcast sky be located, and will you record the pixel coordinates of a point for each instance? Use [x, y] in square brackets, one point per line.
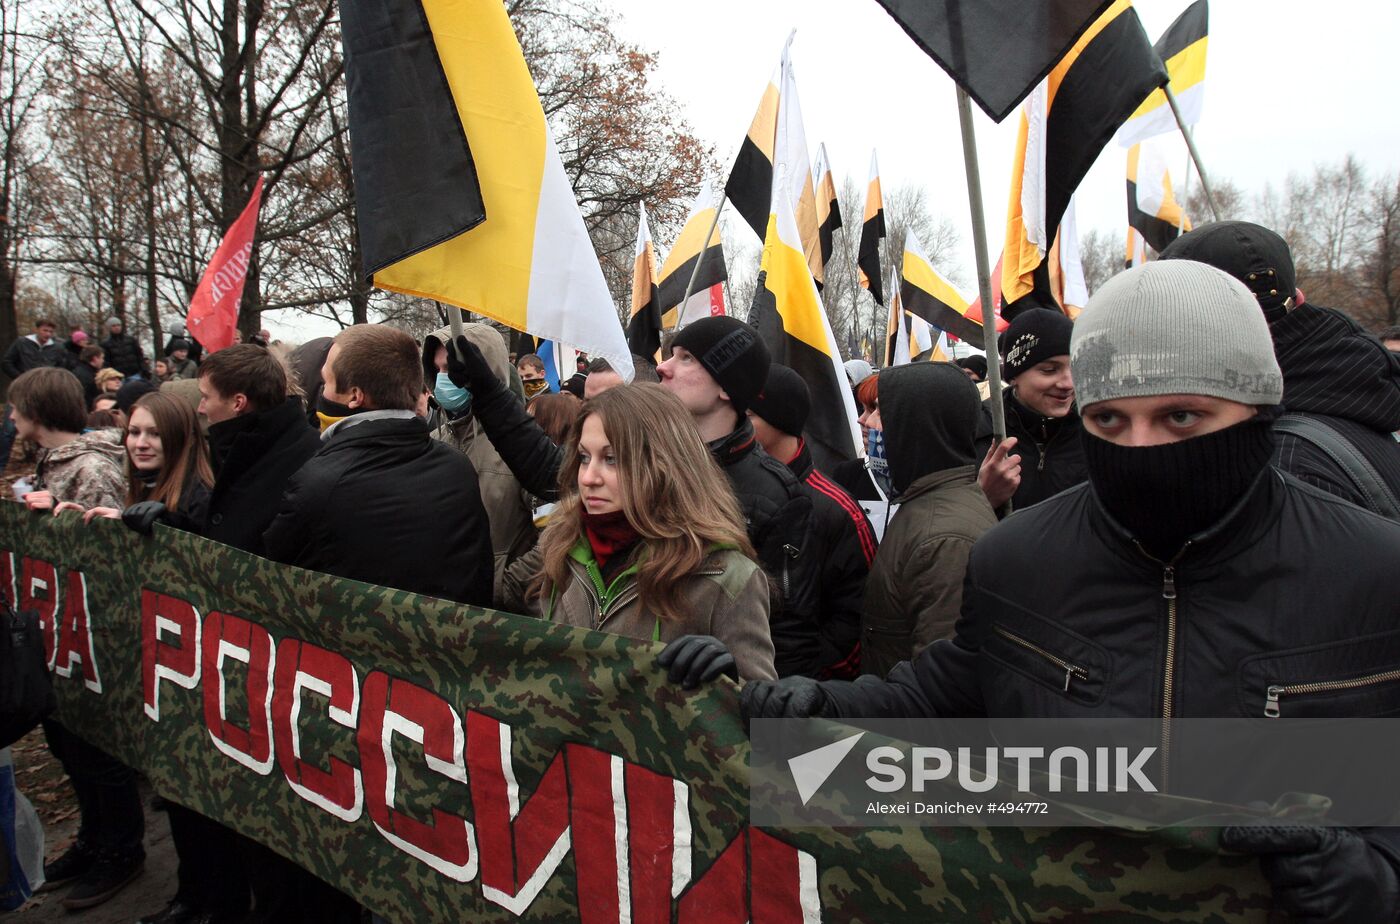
[1288, 84]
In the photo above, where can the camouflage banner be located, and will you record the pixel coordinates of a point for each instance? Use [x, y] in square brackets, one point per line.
[440, 762]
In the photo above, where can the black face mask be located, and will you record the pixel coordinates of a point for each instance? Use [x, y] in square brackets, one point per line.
[330, 412]
[1164, 495]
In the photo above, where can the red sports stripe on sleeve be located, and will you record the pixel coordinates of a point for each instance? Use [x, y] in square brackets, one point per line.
[819, 482]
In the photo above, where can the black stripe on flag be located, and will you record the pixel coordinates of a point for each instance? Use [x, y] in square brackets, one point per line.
[1106, 83]
[1158, 232]
[828, 433]
[826, 229]
[750, 186]
[996, 50]
[644, 329]
[1189, 28]
[868, 258]
[712, 273]
[415, 180]
[940, 315]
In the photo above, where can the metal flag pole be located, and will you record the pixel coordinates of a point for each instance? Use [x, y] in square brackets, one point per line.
[979, 245]
[1191, 147]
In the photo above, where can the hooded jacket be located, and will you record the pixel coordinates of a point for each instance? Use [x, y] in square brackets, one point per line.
[383, 503]
[124, 354]
[1051, 449]
[930, 412]
[28, 353]
[727, 598]
[1345, 378]
[508, 507]
[90, 470]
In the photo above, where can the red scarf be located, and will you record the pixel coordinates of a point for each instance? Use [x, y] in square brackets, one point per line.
[609, 534]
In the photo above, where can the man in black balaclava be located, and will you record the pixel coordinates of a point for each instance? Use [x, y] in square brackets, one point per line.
[1188, 579]
[930, 413]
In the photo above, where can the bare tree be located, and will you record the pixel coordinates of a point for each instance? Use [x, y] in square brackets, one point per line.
[1102, 255]
[25, 50]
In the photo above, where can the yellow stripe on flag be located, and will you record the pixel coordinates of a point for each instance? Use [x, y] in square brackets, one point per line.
[530, 264]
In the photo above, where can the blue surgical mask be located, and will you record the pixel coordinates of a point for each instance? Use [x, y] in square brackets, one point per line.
[451, 398]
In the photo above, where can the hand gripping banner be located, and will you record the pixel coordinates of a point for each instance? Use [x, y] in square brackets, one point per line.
[445, 763]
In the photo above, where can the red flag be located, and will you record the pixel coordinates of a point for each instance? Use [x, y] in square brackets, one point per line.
[213, 314]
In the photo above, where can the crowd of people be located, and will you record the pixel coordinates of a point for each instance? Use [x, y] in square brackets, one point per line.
[1188, 469]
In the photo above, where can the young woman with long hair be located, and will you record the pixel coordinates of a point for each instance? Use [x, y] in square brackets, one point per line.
[647, 540]
[167, 460]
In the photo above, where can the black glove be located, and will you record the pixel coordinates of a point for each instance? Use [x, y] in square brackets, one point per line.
[695, 659]
[467, 368]
[788, 698]
[1321, 874]
[142, 516]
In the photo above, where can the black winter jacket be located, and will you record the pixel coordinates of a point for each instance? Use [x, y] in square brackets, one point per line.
[843, 542]
[1051, 449]
[1337, 373]
[1099, 629]
[384, 503]
[254, 456]
[778, 514]
[26, 353]
[88, 377]
[124, 354]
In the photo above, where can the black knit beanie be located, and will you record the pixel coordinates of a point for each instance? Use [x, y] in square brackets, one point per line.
[1251, 253]
[1035, 336]
[784, 401]
[732, 352]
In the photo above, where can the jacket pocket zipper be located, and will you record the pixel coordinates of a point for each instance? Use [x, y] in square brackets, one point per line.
[1071, 670]
[1272, 694]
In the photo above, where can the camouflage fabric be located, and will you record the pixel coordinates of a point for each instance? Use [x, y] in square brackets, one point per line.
[447, 763]
[91, 470]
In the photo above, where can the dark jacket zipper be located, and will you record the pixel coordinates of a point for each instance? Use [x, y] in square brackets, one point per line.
[1271, 696]
[1071, 670]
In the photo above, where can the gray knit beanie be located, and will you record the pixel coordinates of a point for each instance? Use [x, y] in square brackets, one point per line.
[1174, 327]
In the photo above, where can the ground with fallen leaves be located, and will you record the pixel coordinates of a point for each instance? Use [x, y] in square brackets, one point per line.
[43, 781]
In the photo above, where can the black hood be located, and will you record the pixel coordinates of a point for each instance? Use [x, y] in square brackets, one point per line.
[930, 413]
[1331, 366]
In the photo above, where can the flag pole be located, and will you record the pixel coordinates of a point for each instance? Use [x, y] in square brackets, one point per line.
[979, 246]
[699, 259]
[1191, 147]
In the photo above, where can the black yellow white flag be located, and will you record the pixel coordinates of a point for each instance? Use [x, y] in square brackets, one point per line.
[1065, 123]
[1183, 49]
[872, 228]
[828, 209]
[1152, 206]
[644, 327]
[680, 266]
[788, 314]
[926, 294]
[453, 70]
[776, 145]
